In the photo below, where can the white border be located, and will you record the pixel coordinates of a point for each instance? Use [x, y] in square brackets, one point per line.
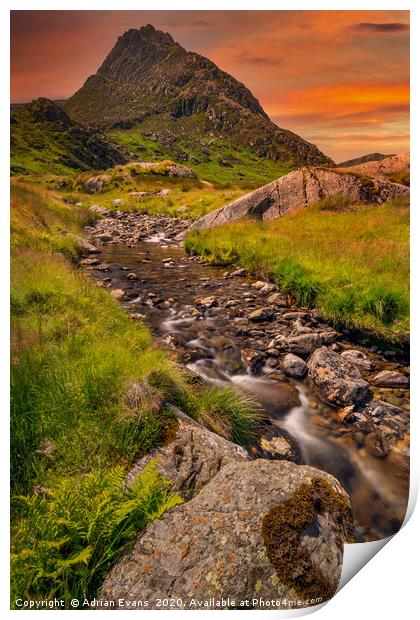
[387, 586]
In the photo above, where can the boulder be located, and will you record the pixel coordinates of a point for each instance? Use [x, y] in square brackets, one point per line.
[253, 360]
[294, 366]
[277, 299]
[90, 262]
[238, 273]
[118, 202]
[391, 378]
[83, 244]
[192, 458]
[337, 381]
[259, 530]
[358, 358]
[268, 287]
[304, 344]
[118, 293]
[177, 170]
[207, 302]
[99, 210]
[94, 185]
[302, 188]
[262, 314]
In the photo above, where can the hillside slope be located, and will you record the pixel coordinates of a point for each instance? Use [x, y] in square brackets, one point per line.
[45, 139]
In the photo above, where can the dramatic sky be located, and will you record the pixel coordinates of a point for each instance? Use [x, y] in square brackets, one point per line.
[339, 79]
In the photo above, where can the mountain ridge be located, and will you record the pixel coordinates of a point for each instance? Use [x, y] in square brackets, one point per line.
[150, 80]
[45, 139]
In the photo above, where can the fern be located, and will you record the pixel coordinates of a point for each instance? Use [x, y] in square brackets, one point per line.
[65, 541]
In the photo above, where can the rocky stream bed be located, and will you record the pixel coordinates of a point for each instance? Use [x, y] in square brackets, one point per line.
[328, 402]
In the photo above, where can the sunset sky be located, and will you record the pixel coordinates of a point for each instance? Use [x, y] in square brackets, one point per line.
[339, 79]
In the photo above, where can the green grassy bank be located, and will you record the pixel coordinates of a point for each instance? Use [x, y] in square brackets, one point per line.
[352, 264]
[88, 399]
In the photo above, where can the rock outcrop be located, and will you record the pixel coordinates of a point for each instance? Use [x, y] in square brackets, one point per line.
[363, 159]
[259, 530]
[192, 458]
[382, 168]
[302, 188]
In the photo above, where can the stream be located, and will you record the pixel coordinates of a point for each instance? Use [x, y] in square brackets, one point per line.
[162, 285]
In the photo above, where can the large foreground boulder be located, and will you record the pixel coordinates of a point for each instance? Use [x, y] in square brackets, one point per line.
[193, 457]
[336, 380]
[301, 188]
[259, 530]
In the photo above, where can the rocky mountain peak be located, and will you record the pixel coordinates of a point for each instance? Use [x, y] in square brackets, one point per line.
[136, 51]
[150, 82]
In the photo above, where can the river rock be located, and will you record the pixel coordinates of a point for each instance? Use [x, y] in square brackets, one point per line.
[277, 299]
[83, 244]
[294, 366]
[390, 378]
[268, 288]
[276, 446]
[118, 293]
[262, 314]
[253, 360]
[192, 458]
[90, 262]
[103, 267]
[304, 344]
[336, 380]
[238, 273]
[293, 316]
[358, 358]
[207, 302]
[302, 188]
[227, 541]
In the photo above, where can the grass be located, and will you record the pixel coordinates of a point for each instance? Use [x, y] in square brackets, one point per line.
[226, 412]
[351, 263]
[88, 392]
[187, 198]
[212, 158]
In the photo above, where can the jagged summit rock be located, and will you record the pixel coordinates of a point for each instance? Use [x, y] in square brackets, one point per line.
[150, 82]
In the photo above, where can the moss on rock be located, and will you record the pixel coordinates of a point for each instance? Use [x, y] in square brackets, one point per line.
[283, 527]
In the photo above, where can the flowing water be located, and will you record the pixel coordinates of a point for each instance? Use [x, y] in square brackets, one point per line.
[208, 341]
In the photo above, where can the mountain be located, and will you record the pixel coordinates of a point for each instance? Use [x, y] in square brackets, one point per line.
[396, 168]
[45, 139]
[159, 99]
[363, 159]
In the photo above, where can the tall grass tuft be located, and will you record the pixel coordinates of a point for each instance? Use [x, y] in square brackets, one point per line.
[227, 412]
